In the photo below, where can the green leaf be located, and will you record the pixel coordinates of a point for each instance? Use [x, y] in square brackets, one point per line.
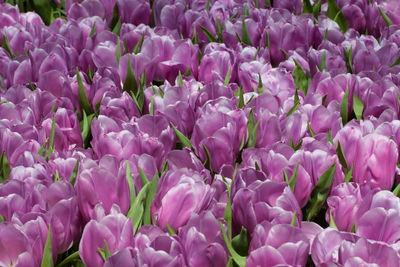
[5, 168]
[182, 138]
[252, 128]
[219, 32]
[207, 162]
[209, 36]
[180, 81]
[151, 108]
[396, 62]
[267, 44]
[73, 257]
[136, 210]
[130, 84]
[93, 30]
[208, 5]
[241, 242]
[195, 39]
[396, 191]
[118, 52]
[260, 87]
[336, 15]
[317, 9]
[129, 179]
[241, 98]
[2, 219]
[300, 78]
[165, 167]
[56, 177]
[188, 72]
[342, 158]
[138, 45]
[47, 258]
[42, 149]
[320, 193]
[307, 8]
[6, 46]
[105, 253]
[170, 230]
[83, 101]
[329, 137]
[228, 76]
[256, 53]
[358, 107]
[349, 175]
[385, 17]
[312, 133]
[293, 179]
[295, 147]
[245, 33]
[228, 208]
[348, 56]
[143, 176]
[332, 222]
[74, 173]
[344, 106]
[149, 200]
[295, 104]
[117, 27]
[323, 61]
[240, 260]
[51, 139]
[294, 218]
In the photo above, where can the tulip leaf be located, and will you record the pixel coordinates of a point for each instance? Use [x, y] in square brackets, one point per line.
[207, 162]
[245, 33]
[165, 167]
[151, 108]
[293, 179]
[396, 191]
[252, 129]
[182, 138]
[241, 98]
[86, 128]
[149, 200]
[93, 30]
[71, 258]
[323, 61]
[56, 176]
[320, 193]
[51, 138]
[312, 133]
[336, 15]
[6, 46]
[138, 45]
[228, 208]
[294, 218]
[105, 253]
[385, 18]
[342, 158]
[42, 149]
[241, 242]
[348, 56]
[180, 80]
[296, 103]
[228, 76]
[317, 9]
[130, 84]
[5, 168]
[47, 258]
[329, 137]
[129, 179]
[349, 175]
[195, 39]
[397, 61]
[300, 78]
[307, 7]
[344, 106]
[240, 260]
[136, 210]
[358, 107]
[208, 5]
[83, 101]
[74, 173]
[2, 219]
[219, 32]
[118, 51]
[260, 87]
[209, 36]
[230, 262]
[297, 146]
[170, 229]
[331, 221]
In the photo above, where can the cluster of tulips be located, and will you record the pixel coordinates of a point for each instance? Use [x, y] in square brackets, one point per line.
[200, 133]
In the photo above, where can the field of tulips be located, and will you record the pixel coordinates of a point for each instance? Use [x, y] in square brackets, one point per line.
[199, 133]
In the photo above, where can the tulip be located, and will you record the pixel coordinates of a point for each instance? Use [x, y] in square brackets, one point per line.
[277, 244]
[180, 194]
[115, 230]
[202, 239]
[140, 14]
[264, 201]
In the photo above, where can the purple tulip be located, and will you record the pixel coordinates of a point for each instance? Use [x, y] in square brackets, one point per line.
[203, 242]
[278, 244]
[221, 133]
[264, 201]
[141, 13]
[114, 229]
[100, 184]
[180, 194]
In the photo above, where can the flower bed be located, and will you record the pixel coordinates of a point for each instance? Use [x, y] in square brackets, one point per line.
[200, 133]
